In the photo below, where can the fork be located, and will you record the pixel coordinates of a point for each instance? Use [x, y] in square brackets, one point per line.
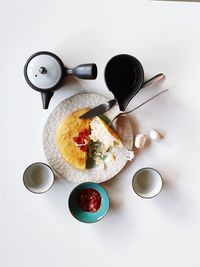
[127, 112]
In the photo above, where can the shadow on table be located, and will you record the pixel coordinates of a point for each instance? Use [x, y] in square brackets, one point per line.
[173, 202]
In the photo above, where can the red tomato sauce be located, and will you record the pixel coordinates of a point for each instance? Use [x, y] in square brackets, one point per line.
[81, 139]
[89, 200]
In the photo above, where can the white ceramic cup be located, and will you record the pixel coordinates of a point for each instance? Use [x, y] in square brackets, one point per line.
[38, 177]
[147, 182]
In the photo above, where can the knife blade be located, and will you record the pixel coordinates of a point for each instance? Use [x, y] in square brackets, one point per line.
[99, 109]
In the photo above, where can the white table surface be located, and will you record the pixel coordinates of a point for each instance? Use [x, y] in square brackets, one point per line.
[38, 230]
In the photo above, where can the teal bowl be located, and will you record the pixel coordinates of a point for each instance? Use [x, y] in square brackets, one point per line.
[87, 216]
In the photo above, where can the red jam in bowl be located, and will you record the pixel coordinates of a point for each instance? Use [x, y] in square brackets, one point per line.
[89, 200]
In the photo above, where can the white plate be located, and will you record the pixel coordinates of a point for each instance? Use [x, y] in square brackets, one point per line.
[56, 161]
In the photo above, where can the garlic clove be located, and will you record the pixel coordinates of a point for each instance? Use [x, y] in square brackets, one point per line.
[154, 135]
[140, 140]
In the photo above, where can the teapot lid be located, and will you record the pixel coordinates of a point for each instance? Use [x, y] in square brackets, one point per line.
[43, 71]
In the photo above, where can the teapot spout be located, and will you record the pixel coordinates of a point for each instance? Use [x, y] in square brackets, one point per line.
[46, 97]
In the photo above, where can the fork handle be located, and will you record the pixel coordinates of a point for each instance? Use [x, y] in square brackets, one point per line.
[127, 112]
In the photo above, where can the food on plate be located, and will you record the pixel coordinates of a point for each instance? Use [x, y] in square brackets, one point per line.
[89, 200]
[72, 137]
[154, 135]
[129, 155]
[86, 143]
[140, 140]
[102, 141]
[101, 132]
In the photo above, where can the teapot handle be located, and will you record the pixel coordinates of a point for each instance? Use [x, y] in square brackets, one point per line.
[84, 71]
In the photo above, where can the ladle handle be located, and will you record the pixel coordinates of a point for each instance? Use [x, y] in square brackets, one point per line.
[153, 80]
[84, 71]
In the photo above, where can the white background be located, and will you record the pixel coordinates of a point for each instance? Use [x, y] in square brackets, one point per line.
[38, 230]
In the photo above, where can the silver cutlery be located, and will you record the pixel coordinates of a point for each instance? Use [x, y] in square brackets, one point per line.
[127, 112]
[102, 108]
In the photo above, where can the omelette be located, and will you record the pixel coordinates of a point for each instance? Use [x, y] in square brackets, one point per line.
[81, 139]
[71, 139]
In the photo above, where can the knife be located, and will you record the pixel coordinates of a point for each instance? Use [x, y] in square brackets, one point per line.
[102, 108]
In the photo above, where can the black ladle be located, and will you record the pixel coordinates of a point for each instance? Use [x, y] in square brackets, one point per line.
[124, 77]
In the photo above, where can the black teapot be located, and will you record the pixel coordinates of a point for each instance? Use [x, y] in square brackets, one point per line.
[45, 72]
